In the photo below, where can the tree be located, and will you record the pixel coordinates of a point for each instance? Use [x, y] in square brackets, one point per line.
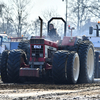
[6, 26]
[1, 15]
[83, 10]
[20, 14]
[8, 19]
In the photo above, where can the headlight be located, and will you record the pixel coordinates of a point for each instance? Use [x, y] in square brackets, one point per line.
[41, 55]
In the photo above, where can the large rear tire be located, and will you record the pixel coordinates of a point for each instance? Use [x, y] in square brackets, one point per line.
[73, 67]
[86, 55]
[4, 59]
[97, 67]
[14, 64]
[0, 61]
[65, 67]
[25, 46]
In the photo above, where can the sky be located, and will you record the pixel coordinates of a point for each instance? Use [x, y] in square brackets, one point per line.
[39, 6]
[50, 4]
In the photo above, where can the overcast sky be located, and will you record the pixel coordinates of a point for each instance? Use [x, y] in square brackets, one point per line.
[39, 6]
[42, 5]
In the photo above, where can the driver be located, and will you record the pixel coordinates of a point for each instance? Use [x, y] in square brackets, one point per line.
[52, 31]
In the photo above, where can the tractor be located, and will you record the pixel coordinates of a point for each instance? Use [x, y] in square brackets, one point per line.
[70, 60]
[96, 42]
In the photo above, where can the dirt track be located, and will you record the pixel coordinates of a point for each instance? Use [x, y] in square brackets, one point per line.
[49, 91]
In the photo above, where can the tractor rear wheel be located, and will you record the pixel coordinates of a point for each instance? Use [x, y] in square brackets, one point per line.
[86, 55]
[0, 61]
[25, 46]
[65, 67]
[14, 64]
[4, 59]
[73, 67]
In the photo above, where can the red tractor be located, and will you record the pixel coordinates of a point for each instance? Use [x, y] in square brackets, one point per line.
[69, 61]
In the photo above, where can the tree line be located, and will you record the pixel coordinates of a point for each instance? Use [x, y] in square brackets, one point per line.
[14, 18]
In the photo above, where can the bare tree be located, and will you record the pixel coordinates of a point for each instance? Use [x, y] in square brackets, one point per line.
[82, 10]
[20, 14]
[1, 15]
[7, 16]
[77, 13]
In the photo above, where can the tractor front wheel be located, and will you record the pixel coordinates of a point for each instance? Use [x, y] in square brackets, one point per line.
[25, 46]
[4, 59]
[14, 63]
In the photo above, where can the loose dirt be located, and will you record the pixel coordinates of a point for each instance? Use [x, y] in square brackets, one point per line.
[49, 91]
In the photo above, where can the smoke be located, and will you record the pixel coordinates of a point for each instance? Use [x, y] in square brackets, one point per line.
[80, 33]
[54, 39]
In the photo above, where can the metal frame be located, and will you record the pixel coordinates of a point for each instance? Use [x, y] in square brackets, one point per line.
[60, 19]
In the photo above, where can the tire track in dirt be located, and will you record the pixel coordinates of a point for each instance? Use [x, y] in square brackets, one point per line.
[46, 86]
[47, 90]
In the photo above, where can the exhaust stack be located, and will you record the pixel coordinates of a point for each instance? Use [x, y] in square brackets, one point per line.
[41, 23]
